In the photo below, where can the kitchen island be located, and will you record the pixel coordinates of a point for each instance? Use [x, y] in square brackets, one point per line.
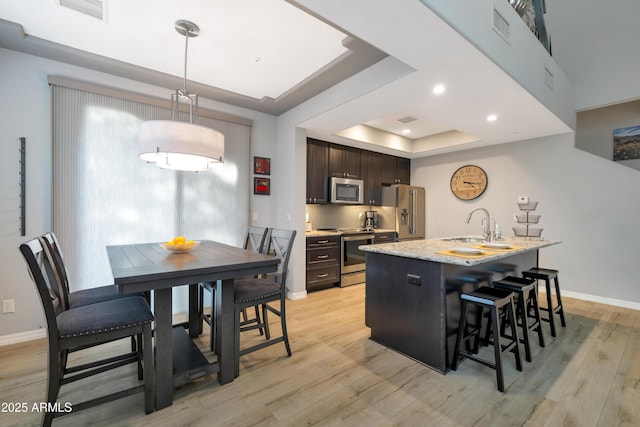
[412, 301]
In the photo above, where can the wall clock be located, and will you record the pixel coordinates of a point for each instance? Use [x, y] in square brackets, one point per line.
[469, 182]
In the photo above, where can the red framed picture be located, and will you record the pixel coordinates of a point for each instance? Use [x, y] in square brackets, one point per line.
[262, 165]
[261, 185]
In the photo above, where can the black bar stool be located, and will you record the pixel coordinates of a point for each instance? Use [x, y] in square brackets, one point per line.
[527, 300]
[500, 304]
[546, 275]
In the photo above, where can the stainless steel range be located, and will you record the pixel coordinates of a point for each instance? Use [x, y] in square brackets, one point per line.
[352, 266]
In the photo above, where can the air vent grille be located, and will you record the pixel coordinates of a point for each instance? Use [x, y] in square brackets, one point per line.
[501, 25]
[88, 7]
[407, 119]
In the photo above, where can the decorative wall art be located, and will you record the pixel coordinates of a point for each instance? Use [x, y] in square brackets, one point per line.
[626, 143]
[261, 185]
[262, 165]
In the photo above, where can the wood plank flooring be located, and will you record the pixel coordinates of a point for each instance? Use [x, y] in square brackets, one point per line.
[588, 376]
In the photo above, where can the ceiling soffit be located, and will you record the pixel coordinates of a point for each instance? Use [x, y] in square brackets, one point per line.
[358, 57]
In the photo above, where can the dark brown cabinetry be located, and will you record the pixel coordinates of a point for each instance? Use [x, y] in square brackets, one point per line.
[317, 171]
[370, 166]
[385, 237]
[344, 161]
[395, 170]
[323, 262]
[325, 160]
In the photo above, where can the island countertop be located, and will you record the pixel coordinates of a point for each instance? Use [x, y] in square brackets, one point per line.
[440, 250]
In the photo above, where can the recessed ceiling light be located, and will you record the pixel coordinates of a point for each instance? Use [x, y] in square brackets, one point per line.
[492, 118]
[438, 89]
[406, 131]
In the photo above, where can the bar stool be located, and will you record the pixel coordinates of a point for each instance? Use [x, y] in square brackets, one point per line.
[527, 299]
[546, 275]
[500, 304]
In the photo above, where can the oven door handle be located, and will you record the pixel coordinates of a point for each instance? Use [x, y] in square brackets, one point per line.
[359, 237]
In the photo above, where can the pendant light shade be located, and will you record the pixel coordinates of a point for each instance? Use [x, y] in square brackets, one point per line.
[180, 145]
[173, 144]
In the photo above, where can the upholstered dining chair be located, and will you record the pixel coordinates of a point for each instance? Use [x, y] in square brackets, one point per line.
[260, 291]
[84, 296]
[256, 241]
[70, 329]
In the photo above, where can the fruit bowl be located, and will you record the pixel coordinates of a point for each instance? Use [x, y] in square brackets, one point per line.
[180, 247]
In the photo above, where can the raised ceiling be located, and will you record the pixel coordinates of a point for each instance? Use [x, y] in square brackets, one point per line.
[272, 55]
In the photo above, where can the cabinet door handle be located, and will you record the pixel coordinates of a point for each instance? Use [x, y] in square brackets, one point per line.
[322, 276]
[322, 242]
[323, 256]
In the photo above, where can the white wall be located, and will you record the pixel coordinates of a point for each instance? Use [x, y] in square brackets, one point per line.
[596, 44]
[587, 202]
[26, 111]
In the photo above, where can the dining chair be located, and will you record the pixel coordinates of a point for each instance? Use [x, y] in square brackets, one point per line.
[255, 241]
[70, 329]
[84, 296]
[260, 291]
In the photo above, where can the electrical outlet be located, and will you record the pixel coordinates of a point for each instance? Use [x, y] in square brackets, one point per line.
[360, 215]
[255, 216]
[8, 306]
[523, 200]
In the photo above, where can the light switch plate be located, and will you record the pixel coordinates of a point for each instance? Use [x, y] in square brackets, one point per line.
[8, 306]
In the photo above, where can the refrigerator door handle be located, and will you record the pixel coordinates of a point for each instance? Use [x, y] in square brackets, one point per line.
[413, 206]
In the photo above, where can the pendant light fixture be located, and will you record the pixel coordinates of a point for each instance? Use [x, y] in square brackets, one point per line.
[173, 144]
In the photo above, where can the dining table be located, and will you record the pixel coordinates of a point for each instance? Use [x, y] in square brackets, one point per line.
[145, 267]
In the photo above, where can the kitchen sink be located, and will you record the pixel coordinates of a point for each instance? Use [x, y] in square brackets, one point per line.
[464, 239]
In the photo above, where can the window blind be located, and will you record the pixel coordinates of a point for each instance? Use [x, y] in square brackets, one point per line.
[103, 194]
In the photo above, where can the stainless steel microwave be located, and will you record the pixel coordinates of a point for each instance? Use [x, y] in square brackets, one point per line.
[346, 190]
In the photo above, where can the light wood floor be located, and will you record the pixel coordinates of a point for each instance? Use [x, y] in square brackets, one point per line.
[588, 376]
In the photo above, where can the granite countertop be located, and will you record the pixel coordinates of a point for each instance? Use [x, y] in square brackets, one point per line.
[438, 250]
[319, 233]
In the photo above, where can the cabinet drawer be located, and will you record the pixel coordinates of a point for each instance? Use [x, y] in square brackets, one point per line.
[385, 238]
[327, 274]
[320, 241]
[323, 255]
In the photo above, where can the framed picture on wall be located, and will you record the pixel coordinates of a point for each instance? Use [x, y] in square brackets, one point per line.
[626, 143]
[261, 185]
[262, 166]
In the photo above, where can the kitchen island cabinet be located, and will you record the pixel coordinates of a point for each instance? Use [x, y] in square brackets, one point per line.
[412, 301]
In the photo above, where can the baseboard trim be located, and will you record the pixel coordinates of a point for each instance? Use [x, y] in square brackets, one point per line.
[602, 300]
[23, 337]
[297, 295]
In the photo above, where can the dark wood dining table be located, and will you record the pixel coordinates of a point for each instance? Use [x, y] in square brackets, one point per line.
[147, 267]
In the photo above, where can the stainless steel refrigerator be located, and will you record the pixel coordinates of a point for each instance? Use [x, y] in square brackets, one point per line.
[408, 204]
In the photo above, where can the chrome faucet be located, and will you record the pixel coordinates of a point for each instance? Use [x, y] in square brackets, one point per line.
[487, 224]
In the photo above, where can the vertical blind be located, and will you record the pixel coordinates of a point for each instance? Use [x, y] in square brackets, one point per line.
[103, 194]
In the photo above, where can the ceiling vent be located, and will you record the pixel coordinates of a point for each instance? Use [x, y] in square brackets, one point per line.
[407, 119]
[501, 25]
[88, 7]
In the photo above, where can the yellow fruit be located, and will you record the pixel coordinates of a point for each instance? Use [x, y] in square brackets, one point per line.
[190, 242]
[179, 240]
